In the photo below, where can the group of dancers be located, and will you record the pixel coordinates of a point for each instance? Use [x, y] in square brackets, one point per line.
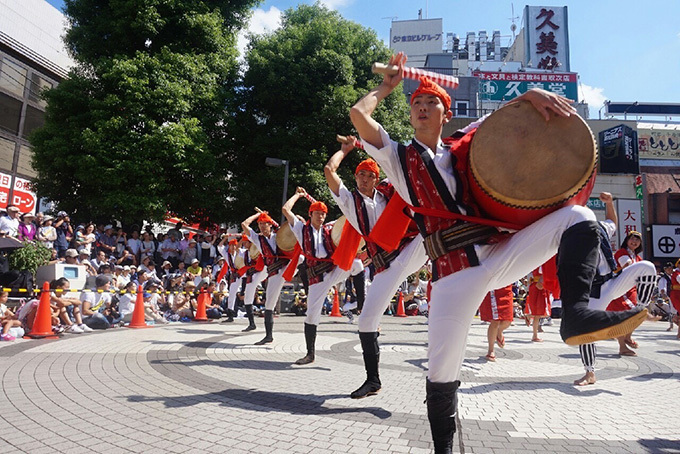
[415, 215]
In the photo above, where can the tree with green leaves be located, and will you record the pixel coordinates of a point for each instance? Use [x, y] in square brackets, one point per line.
[141, 126]
[299, 85]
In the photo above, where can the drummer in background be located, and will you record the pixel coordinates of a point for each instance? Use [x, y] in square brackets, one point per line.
[276, 264]
[314, 238]
[230, 273]
[253, 273]
[363, 207]
[428, 175]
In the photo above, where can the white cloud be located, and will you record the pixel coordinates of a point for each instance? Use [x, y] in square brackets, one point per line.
[261, 22]
[594, 97]
[335, 4]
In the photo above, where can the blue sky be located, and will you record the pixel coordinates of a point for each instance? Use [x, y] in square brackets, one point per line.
[623, 50]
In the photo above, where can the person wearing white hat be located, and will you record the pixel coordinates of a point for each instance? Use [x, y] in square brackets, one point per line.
[9, 224]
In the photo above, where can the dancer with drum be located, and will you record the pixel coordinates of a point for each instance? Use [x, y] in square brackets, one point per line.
[497, 309]
[254, 273]
[316, 244]
[611, 282]
[230, 273]
[470, 259]
[274, 260]
[363, 207]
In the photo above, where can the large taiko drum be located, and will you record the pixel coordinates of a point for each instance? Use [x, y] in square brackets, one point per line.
[285, 239]
[522, 167]
[336, 232]
[253, 251]
[239, 262]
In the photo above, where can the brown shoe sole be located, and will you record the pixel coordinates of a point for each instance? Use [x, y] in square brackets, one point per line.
[622, 329]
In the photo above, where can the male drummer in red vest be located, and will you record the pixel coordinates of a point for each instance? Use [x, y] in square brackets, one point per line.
[363, 207]
[230, 272]
[253, 274]
[276, 263]
[427, 176]
[314, 239]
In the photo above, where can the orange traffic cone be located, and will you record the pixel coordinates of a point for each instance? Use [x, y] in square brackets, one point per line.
[335, 311]
[42, 324]
[138, 319]
[400, 306]
[200, 310]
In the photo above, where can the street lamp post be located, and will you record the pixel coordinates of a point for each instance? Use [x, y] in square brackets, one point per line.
[275, 162]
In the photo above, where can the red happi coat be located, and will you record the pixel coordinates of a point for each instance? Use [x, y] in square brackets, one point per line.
[497, 305]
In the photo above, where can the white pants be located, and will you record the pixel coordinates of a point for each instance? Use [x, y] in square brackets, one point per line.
[274, 286]
[234, 287]
[251, 288]
[318, 291]
[385, 284]
[619, 285]
[456, 297]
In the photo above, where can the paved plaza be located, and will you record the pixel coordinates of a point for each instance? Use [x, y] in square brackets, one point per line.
[195, 388]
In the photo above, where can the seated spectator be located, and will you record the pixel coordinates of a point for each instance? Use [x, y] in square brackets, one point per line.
[91, 271]
[190, 253]
[7, 318]
[71, 257]
[47, 234]
[185, 302]
[27, 230]
[195, 269]
[124, 277]
[60, 301]
[99, 260]
[127, 257]
[147, 247]
[96, 304]
[166, 270]
[85, 238]
[126, 302]
[134, 244]
[153, 302]
[9, 224]
[212, 303]
[107, 242]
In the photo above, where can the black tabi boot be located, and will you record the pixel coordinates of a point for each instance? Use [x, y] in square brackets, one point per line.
[268, 326]
[371, 349]
[230, 316]
[442, 405]
[251, 318]
[310, 339]
[576, 267]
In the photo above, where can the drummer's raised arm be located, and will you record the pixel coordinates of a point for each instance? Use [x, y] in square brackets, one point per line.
[360, 114]
[287, 208]
[245, 225]
[546, 101]
[331, 168]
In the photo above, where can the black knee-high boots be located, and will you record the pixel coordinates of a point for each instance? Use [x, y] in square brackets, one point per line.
[371, 353]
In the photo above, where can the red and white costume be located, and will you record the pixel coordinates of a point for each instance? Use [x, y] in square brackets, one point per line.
[317, 247]
[674, 292]
[497, 305]
[233, 278]
[625, 258]
[461, 278]
[538, 299]
[362, 213]
[275, 263]
[254, 274]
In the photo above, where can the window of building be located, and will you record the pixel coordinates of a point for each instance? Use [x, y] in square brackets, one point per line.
[36, 87]
[6, 154]
[674, 210]
[10, 113]
[35, 118]
[12, 77]
[462, 108]
[24, 166]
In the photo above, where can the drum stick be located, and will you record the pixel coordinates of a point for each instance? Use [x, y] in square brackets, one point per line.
[415, 73]
[344, 139]
[274, 223]
[310, 198]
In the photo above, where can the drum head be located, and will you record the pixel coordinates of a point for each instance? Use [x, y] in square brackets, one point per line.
[238, 262]
[285, 239]
[254, 252]
[520, 160]
[336, 232]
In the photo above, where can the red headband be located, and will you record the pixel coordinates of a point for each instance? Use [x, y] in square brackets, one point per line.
[264, 217]
[233, 241]
[245, 238]
[318, 206]
[369, 165]
[427, 87]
